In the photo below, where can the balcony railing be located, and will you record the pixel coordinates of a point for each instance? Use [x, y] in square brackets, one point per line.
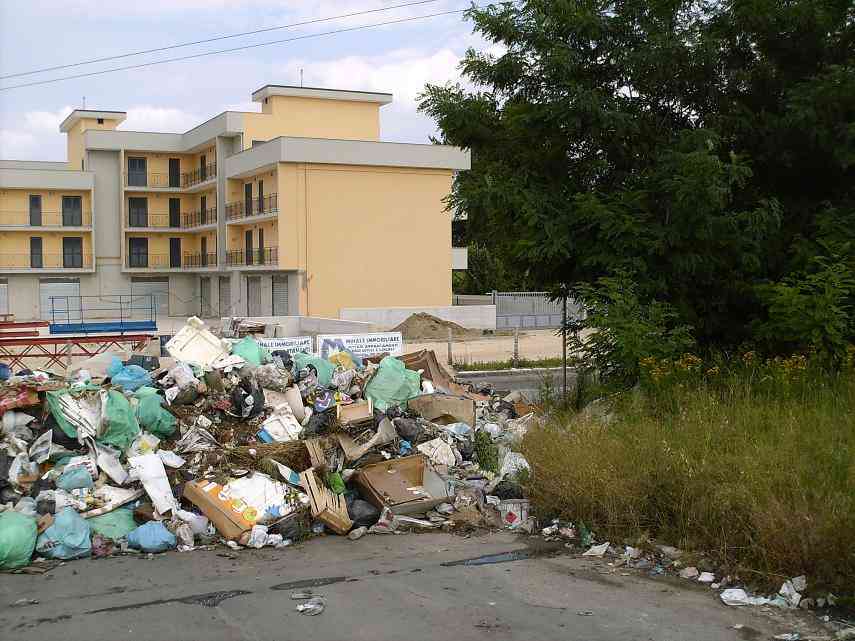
[149, 179]
[186, 220]
[199, 217]
[46, 218]
[152, 261]
[195, 261]
[255, 207]
[199, 175]
[45, 261]
[256, 257]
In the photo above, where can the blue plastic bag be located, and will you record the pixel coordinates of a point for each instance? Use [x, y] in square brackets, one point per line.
[152, 537]
[128, 377]
[68, 537]
[74, 478]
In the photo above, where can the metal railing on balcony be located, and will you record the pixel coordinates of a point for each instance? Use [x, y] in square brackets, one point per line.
[149, 179]
[18, 218]
[140, 219]
[152, 261]
[199, 217]
[71, 260]
[196, 261]
[256, 257]
[255, 207]
[199, 175]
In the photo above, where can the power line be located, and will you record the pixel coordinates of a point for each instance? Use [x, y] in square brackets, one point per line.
[214, 39]
[233, 49]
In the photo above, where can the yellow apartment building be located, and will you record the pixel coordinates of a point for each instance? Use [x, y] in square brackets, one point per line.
[299, 209]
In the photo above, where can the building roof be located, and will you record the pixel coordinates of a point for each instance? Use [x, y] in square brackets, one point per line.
[79, 114]
[320, 93]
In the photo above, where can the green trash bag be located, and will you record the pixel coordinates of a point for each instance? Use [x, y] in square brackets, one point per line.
[393, 384]
[152, 415]
[122, 425]
[324, 368]
[250, 351]
[114, 525]
[17, 539]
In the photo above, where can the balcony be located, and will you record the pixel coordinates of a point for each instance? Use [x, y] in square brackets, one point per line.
[199, 218]
[200, 261]
[198, 176]
[253, 208]
[18, 218]
[165, 262]
[36, 262]
[269, 256]
[186, 180]
[187, 220]
[147, 180]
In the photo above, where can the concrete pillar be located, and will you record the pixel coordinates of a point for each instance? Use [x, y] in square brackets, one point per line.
[184, 295]
[24, 297]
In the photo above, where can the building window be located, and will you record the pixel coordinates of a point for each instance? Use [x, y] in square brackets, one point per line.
[36, 260]
[137, 172]
[35, 210]
[204, 256]
[100, 121]
[137, 252]
[137, 212]
[72, 211]
[72, 253]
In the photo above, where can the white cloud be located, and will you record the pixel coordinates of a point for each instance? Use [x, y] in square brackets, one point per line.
[148, 118]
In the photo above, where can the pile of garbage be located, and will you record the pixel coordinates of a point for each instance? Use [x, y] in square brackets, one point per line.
[224, 442]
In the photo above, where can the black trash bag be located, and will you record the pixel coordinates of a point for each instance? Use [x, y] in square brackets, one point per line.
[392, 412]
[408, 429]
[506, 408]
[5, 464]
[291, 527]
[59, 437]
[247, 398]
[506, 490]
[466, 449]
[318, 423]
[282, 359]
[362, 513]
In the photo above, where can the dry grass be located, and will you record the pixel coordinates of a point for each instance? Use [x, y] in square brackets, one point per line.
[755, 467]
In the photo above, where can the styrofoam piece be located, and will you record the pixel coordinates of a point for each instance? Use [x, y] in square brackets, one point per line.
[196, 345]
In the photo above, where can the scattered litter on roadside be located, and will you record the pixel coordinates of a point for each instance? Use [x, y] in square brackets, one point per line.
[312, 607]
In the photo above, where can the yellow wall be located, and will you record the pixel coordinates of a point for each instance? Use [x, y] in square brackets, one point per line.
[366, 236]
[312, 118]
[15, 205]
[15, 247]
[74, 141]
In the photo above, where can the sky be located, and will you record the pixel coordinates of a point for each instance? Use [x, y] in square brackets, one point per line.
[176, 96]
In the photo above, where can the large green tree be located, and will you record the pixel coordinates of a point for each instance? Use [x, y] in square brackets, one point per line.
[707, 147]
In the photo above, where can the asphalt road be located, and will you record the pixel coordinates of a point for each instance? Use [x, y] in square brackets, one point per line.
[380, 587]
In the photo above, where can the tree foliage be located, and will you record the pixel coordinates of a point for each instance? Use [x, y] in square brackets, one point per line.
[705, 146]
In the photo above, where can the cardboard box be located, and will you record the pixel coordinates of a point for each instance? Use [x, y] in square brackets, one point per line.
[358, 413]
[407, 485]
[231, 517]
[326, 506]
[444, 407]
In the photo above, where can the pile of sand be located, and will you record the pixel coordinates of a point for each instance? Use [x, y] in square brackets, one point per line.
[424, 326]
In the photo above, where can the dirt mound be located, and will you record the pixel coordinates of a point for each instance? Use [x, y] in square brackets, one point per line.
[422, 326]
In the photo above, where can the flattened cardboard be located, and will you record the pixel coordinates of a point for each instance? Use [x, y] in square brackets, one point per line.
[385, 434]
[326, 506]
[407, 485]
[433, 406]
[355, 413]
[229, 516]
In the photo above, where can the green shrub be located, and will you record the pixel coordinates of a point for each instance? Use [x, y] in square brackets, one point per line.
[619, 329]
